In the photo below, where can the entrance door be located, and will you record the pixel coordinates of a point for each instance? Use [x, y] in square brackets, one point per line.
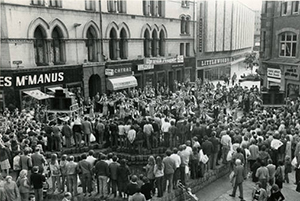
[171, 80]
[94, 85]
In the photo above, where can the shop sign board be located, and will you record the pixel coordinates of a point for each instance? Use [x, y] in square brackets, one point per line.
[274, 72]
[291, 72]
[209, 62]
[119, 69]
[24, 79]
[163, 60]
[142, 67]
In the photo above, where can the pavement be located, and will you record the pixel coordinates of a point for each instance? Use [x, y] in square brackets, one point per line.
[221, 188]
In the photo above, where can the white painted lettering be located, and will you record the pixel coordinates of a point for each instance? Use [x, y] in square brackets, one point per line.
[7, 81]
[32, 79]
[20, 82]
[61, 76]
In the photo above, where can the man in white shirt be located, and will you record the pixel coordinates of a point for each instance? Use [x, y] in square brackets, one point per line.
[177, 160]
[165, 129]
[185, 158]
[122, 136]
[226, 144]
[91, 159]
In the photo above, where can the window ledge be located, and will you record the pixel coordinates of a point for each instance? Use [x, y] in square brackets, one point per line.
[187, 34]
[287, 57]
[185, 6]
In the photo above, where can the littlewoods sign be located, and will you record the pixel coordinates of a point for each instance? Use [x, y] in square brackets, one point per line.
[26, 80]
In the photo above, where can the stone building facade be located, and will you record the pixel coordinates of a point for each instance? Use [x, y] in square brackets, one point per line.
[225, 32]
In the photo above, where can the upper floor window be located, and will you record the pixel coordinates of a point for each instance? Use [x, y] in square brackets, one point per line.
[91, 44]
[40, 46]
[295, 6]
[38, 2]
[162, 41]
[57, 46]
[155, 41]
[90, 5]
[161, 8]
[147, 44]
[185, 25]
[113, 45]
[123, 44]
[152, 8]
[116, 6]
[55, 3]
[185, 3]
[284, 6]
[288, 45]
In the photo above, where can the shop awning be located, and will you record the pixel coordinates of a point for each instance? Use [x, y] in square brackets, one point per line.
[53, 89]
[37, 94]
[274, 80]
[121, 83]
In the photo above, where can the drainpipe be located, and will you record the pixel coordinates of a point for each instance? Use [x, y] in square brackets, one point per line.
[101, 34]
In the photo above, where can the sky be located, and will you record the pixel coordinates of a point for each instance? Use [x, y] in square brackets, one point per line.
[253, 4]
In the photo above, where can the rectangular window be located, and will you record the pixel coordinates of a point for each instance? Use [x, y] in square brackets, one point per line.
[181, 48]
[55, 3]
[295, 7]
[185, 3]
[263, 47]
[187, 50]
[121, 6]
[266, 7]
[284, 8]
[90, 5]
[38, 2]
[288, 45]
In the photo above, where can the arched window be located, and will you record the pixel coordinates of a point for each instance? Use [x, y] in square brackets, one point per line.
[182, 25]
[91, 44]
[162, 43]
[57, 47]
[187, 25]
[123, 44]
[40, 46]
[154, 43]
[147, 42]
[288, 44]
[113, 46]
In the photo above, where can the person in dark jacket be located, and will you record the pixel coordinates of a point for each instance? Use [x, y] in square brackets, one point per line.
[146, 188]
[102, 174]
[113, 174]
[37, 180]
[67, 132]
[123, 173]
[208, 149]
[85, 175]
[132, 187]
[216, 144]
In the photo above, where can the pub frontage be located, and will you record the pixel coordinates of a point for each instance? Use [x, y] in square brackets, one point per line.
[26, 87]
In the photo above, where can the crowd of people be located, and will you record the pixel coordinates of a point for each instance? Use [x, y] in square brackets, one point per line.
[200, 126]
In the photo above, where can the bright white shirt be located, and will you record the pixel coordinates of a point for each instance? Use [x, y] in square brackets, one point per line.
[121, 129]
[157, 172]
[91, 160]
[226, 140]
[131, 135]
[165, 127]
[177, 159]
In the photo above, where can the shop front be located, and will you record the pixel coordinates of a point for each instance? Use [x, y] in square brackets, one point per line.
[273, 77]
[214, 69]
[25, 88]
[291, 75]
[119, 77]
[160, 72]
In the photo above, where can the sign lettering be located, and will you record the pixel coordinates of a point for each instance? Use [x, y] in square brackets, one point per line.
[25, 80]
[178, 59]
[208, 62]
[273, 72]
[145, 67]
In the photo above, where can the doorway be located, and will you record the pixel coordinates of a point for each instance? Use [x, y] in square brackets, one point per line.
[94, 85]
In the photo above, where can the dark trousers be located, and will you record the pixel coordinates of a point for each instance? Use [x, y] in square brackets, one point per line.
[50, 143]
[194, 169]
[57, 142]
[114, 184]
[72, 184]
[240, 185]
[167, 139]
[86, 182]
[169, 182]
[159, 184]
[176, 177]
[77, 139]
[182, 174]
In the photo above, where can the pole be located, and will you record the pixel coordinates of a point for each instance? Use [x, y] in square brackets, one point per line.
[101, 34]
